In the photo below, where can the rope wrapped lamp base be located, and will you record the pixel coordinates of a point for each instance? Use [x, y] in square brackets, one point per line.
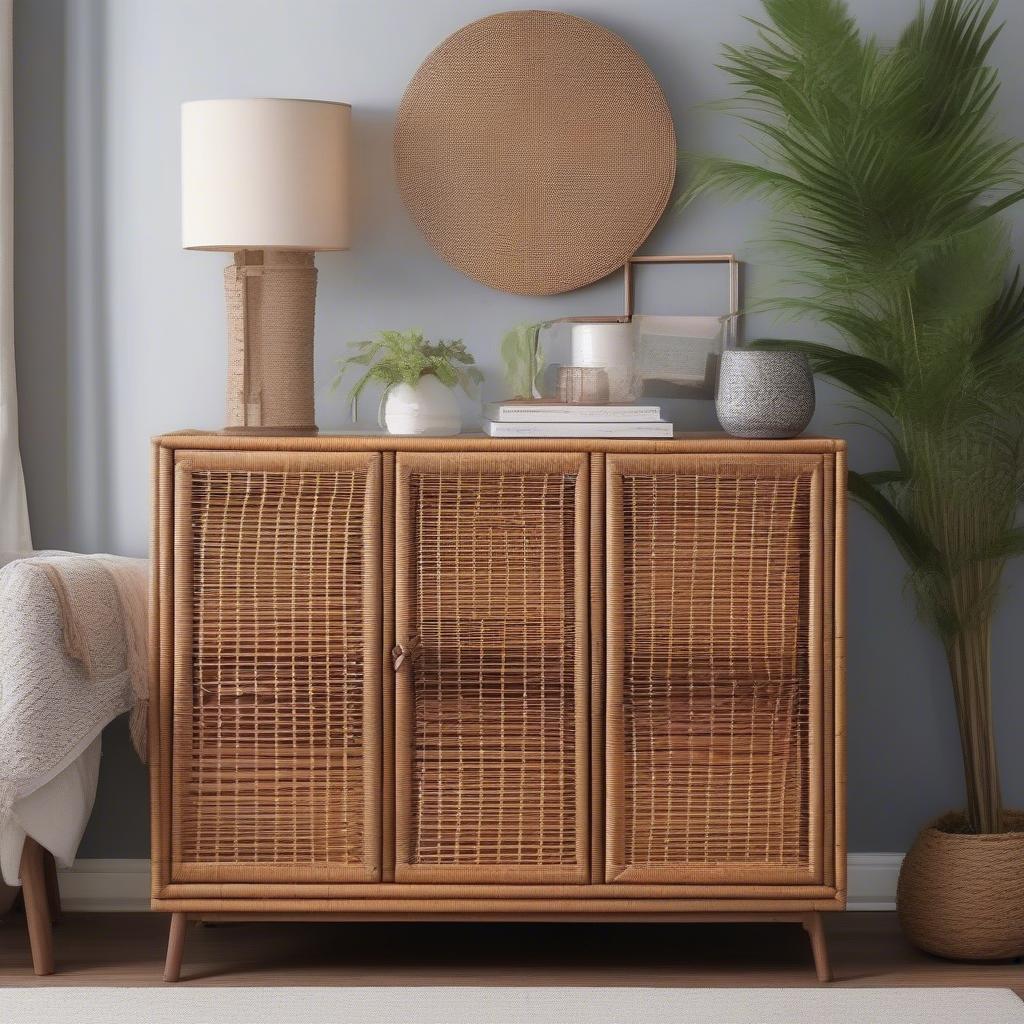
[271, 304]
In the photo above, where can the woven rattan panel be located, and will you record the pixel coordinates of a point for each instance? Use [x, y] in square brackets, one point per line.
[272, 770]
[715, 603]
[535, 151]
[489, 554]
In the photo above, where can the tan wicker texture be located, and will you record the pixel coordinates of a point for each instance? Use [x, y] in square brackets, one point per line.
[271, 301]
[962, 896]
[711, 613]
[276, 757]
[535, 151]
[510, 517]
[490, 583]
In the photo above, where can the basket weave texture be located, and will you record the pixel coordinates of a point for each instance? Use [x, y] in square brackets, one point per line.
[961, 896]
[715, 688]
[494, 720]
[614, 681]
[271, 299]
[535, 151]
[275, 773]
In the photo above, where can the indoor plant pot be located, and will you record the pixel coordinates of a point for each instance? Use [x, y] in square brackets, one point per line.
[764, 394]
[417, 376]
[961, 895]
[426, 407]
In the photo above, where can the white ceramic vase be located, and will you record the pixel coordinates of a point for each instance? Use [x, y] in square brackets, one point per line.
[428, 407]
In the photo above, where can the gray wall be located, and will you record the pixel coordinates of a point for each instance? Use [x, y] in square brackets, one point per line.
[120, 333]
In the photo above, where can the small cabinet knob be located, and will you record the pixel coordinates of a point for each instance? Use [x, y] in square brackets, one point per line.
[401, 653]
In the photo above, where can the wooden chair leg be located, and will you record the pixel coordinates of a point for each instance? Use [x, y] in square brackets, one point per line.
[37, 914]
[175, 947]
[816, 931]
[52, 886]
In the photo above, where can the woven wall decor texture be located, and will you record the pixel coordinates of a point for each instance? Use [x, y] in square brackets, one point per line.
[535, 151]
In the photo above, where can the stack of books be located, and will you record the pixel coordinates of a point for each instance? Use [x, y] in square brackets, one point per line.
[547, 418]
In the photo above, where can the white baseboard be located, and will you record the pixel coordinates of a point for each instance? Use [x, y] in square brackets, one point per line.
[113, 885]
[117, 884]
[871, 879]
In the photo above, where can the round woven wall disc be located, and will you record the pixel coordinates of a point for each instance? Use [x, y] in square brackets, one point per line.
[535, 151]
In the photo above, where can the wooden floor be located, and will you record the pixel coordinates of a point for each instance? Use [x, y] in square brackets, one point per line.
[127, 949]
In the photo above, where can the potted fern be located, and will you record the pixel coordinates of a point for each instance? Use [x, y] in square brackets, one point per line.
[888, 179]
[417, 377]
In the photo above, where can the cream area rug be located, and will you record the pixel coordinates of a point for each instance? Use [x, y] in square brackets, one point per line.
[183, 1005]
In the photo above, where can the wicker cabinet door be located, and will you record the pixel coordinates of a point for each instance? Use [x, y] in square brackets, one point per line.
[716, 578]
[491, 578]
[277, 667]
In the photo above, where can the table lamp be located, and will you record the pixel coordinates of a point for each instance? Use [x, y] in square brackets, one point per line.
[267, 179]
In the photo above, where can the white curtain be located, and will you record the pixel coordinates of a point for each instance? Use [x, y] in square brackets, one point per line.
[14, 531]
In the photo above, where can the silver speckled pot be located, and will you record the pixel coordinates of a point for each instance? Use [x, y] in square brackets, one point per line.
[764, 394]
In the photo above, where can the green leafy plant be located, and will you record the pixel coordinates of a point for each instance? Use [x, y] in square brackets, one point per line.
[887, 177]
[403, 357]
[523, 359]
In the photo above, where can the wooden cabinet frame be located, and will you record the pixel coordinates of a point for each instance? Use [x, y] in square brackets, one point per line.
[400, 890]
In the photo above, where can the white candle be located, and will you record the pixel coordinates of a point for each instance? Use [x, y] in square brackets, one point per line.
[602, 344]
[608, 345]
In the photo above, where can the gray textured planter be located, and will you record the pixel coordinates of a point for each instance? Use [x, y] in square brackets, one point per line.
[764, 394]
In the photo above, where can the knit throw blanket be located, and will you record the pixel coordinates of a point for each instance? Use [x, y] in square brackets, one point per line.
[73, 656]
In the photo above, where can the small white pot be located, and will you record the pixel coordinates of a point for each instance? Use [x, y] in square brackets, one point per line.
[428, 407]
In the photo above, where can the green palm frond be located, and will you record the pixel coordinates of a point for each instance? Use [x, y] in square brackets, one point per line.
[862, 376]
[881, 477]
[914, 543]
[1003, 325]
[887, 176]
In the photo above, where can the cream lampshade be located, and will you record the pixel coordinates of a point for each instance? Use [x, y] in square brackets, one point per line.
[267, 179]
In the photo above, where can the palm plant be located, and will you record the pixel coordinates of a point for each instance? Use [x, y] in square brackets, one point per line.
[887, 178]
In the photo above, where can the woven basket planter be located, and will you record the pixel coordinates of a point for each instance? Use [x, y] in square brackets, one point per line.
[961, 896]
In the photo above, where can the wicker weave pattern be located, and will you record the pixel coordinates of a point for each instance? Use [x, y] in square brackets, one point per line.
[385, 883]
[962, 896]
[494, 732]
[535, 151]
[271, 302]
[715, 669]
[276, 772]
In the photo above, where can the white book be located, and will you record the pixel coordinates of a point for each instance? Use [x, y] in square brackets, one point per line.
[541, 411]
[594, 429]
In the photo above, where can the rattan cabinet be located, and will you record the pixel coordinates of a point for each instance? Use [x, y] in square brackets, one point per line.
[470, 679]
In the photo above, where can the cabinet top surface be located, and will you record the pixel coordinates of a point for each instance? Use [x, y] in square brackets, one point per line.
[347, 441]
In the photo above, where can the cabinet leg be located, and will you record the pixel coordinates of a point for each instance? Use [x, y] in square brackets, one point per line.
[816, 932]
[175, 947]
[37, 914]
